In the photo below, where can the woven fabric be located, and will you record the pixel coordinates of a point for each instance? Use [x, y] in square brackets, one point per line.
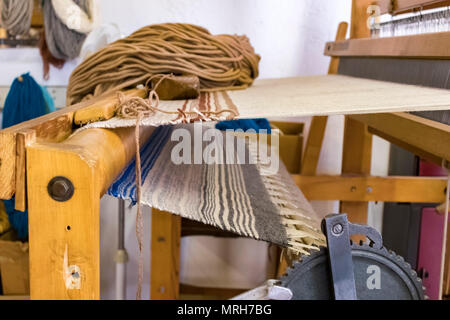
[303, 96]
[244, 198]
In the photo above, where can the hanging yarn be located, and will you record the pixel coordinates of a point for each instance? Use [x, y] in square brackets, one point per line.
[222, 62]
[25, 101]
[47, 57]
[74, 17]
[63, 42]
[16, 16]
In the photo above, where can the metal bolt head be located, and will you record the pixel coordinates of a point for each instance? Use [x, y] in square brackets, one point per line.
[337, 229]
[60, 189]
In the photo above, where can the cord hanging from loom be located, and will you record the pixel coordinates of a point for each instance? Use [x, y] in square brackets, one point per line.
[15, 16]
[137, 107]
[222, 62]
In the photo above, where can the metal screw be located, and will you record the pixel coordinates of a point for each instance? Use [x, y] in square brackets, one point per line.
[369, 189]
[60, 189]
[337, 229]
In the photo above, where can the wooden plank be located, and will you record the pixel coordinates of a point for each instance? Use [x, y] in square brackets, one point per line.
[371, 188]
[23, 139]
[419, 135]
[103, 110]
[63, 236]
[52, 127]
[318, 123]
[395, 7]
[359, 16]
[357, 148]
[7, 165]
[423, 46]
[314, 145]
[165, 256]
[356, 158]
[90, 159]
[340, 35]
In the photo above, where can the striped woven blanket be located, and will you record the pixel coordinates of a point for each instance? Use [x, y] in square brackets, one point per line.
[245, 195]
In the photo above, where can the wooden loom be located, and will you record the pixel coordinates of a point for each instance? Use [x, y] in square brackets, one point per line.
[64, 235]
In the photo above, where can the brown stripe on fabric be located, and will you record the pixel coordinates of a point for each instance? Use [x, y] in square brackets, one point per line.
[230, 105]
[182, 108]
[216, 101]
[267, 224]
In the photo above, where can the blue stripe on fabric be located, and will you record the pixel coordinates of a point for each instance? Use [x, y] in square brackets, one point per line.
[125, 185]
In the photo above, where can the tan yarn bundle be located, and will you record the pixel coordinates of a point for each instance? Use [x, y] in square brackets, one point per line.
[222, 62]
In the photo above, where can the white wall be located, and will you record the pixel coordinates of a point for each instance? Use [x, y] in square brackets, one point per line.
[290, 36]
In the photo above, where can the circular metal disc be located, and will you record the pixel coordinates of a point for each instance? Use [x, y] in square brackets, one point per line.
[379, 275]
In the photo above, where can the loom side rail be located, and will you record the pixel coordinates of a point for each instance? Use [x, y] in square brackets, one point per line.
[64, 235]
[52, 127]
[423, 46]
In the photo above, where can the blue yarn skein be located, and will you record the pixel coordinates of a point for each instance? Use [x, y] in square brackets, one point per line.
[25, 101]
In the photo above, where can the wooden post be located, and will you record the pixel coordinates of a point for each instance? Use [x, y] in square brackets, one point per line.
[63, 236]
[165, 256]
[319, 123]
[357, 147]
[64, 233]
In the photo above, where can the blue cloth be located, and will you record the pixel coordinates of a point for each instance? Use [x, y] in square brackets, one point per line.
[25, 101]
[48, 100]
[125, 185]
[245, 124]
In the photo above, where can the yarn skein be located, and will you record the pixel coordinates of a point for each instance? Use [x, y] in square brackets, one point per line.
[63, 42]
[15, 16]
[221, 62]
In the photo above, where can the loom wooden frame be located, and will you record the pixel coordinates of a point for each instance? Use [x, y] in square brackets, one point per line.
[66, 234]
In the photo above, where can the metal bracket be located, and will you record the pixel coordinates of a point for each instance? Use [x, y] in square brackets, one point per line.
[337, 229]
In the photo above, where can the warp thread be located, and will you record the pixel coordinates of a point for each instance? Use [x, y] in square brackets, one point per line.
[137, 107]
[47, 57]
[222, 62]
[15, 16]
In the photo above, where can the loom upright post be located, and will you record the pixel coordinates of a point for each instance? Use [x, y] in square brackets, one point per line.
[121, 257]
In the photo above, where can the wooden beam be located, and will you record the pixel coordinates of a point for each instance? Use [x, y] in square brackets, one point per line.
[64, 236]
[341, 33]
[359, 16]
[24, 139]
[103, 110]
[314, 145]
[319, 123]
[370, 188]
[357, 148]
[423, 46]
[356, 158]
[52, 127]
[421, 136]
[165, 256]
[395, 7]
